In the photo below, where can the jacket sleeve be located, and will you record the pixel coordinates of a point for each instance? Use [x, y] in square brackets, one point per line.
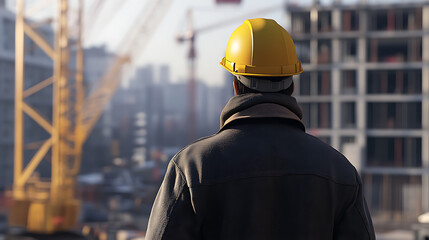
[172, 215]
[356, 223]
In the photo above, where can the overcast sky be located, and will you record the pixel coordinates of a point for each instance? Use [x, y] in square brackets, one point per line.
[163, 48]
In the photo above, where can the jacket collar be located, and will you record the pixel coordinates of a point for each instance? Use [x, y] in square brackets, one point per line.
[261, 105]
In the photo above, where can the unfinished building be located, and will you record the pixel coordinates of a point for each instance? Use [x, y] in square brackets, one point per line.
[365, 91]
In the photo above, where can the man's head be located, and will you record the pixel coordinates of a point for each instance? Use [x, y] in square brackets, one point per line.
[262, 57]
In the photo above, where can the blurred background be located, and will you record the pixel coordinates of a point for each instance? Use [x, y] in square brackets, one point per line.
[139, 79]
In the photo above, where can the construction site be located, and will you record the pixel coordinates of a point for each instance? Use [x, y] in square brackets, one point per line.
[87, 129]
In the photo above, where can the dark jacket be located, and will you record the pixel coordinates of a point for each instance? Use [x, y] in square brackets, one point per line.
[260, 177]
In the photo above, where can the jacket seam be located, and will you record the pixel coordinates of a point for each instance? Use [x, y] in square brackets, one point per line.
[173, 206]
[359, 212]
[272, 175]
[180, 171]
[363, 221]
[173, 159]
[353, 206]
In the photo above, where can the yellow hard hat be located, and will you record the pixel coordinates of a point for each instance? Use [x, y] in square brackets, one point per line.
[261, 48]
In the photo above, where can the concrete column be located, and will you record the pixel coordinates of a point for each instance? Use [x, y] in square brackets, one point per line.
[313, 51]
[336, 20]
[361, 108]
[425, 135]
[336, 82]
[336, 108]
[425, 109]
[313, 31]
[313, 61]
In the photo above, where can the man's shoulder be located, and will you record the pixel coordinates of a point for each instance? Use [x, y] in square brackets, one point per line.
[193, 159]
[330, 161]
[198, 149]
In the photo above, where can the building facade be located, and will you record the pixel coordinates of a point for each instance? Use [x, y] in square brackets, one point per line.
[365, 91]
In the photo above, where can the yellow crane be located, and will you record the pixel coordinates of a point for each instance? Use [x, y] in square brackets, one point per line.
[50, 205]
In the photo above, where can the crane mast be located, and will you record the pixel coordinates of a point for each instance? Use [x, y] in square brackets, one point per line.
[46, 205]
[50, 205]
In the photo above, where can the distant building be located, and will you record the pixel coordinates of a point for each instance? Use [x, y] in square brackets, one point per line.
[38, 68]
[97, 148]
[134, 116]
[150, 115]
[365, 91]
[175, 114]
[164, 74]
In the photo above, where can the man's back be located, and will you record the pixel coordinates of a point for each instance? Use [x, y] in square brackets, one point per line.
[262, 177]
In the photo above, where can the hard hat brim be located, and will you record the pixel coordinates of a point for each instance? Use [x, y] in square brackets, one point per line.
[262, 71]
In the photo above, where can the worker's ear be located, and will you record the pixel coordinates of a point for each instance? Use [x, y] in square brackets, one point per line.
[235, 87]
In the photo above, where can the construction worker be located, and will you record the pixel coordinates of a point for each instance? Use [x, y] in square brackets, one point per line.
[261, 176]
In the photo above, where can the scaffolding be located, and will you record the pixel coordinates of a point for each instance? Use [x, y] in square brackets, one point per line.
[365, 91]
